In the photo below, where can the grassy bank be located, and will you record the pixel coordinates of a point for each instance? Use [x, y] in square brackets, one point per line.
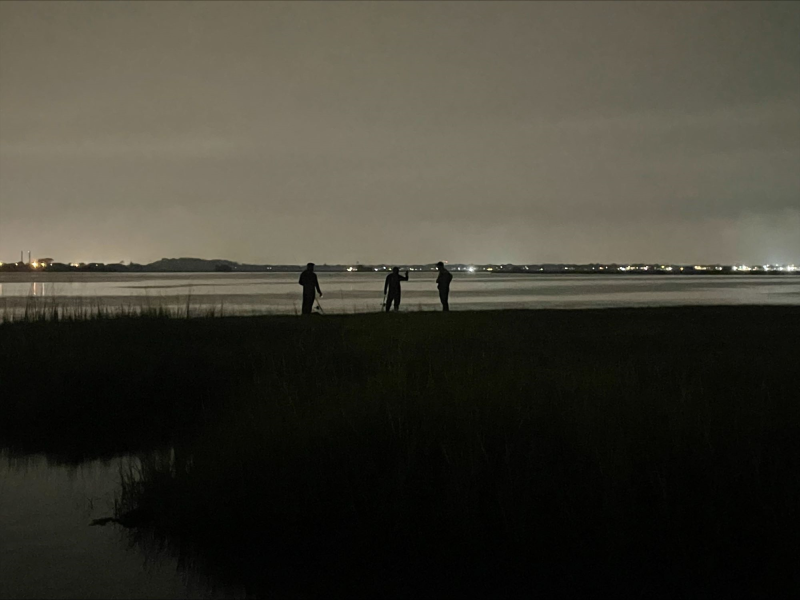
[651, 451]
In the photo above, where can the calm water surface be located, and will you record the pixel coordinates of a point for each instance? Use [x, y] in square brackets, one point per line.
[48, 549]
[250, 293]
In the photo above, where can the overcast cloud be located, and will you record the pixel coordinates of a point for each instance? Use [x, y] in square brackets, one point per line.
[401, 132]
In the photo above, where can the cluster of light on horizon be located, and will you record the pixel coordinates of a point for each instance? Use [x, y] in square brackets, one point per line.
[42, 264]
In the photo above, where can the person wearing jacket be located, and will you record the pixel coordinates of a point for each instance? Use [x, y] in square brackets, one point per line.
[392, 286]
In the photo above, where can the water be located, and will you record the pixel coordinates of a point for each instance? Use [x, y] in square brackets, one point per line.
[278, 293]
[48, 549]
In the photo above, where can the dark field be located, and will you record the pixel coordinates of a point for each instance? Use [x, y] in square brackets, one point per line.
[637, 452]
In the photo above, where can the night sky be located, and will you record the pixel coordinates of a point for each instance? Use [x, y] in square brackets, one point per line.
[401, 132]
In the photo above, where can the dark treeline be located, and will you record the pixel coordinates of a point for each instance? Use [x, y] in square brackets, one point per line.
[639, 452]
[200, 265]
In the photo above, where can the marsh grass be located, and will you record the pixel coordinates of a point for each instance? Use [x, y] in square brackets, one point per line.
[643, 452]
[54, 309]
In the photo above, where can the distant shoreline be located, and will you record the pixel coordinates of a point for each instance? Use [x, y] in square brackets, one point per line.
[122, 269]
[200, 265]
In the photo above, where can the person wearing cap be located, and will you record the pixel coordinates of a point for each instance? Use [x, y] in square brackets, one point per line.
[308, 279]
[443, 283]
[392, 285]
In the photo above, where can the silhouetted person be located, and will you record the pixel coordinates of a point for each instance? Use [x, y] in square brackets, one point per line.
[443, 283]
[308, 279]
[392, 284]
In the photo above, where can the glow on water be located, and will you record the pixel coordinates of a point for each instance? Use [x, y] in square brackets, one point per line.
[347, 292]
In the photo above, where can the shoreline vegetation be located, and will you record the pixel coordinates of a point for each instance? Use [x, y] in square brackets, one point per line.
[641, 452]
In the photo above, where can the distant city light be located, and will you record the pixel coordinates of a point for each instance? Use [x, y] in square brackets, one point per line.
[49, 264]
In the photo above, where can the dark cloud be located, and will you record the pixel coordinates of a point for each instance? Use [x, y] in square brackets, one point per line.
[279, 132]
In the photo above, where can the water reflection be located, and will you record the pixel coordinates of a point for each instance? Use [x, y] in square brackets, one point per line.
[48, 549]
[248, 293]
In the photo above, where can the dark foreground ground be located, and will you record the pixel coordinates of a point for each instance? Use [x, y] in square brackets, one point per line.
[637, 452]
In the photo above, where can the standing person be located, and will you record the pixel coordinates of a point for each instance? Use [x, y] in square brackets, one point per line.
[392, 284]
[443, 283]
[308, 279]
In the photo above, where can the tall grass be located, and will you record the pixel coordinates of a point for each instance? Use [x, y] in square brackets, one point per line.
[53, 308]
[639, 452]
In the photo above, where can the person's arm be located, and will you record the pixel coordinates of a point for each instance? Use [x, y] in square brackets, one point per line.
[386, 285]
[404, 278]
[300, 281]
[316, 284]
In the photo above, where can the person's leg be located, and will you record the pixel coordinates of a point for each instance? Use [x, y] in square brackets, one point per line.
[443, 297]
[388, 302]
[308, 303]
[397, 302]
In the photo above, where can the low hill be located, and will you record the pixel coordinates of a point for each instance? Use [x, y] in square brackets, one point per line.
[189, 264]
